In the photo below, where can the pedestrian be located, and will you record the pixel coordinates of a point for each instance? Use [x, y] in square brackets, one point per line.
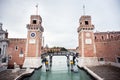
[46, 64]
[71, 62]
[74, 57]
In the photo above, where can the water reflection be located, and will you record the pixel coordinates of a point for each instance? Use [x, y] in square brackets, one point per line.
[58, 71]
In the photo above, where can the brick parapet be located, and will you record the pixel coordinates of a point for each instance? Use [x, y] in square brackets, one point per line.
[106, 36]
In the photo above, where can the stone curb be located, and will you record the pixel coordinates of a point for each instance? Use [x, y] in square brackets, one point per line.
[93, 74]
[30, 71]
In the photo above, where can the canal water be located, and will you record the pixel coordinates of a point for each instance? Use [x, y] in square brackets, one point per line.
[59, 71]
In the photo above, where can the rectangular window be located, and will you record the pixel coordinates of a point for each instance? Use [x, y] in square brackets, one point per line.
[34, 21]
[101, 59]
[4, 60]
[95, 37]
[3, 49]
[118, 59]
[0, 51]
[86, 22]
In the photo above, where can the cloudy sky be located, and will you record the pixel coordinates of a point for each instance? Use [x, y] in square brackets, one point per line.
[60, 18]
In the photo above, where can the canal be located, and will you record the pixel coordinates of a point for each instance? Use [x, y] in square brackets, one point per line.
[59, 71]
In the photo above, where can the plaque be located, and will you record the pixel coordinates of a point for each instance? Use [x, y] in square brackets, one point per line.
[88, 41]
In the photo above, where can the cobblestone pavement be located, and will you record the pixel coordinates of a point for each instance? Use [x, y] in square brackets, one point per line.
[8, 75]
[107, 72]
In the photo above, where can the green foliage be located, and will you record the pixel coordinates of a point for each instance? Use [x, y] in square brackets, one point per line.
[56, 49]
[63, 49]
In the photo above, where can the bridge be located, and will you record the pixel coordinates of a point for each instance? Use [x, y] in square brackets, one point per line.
[65, 53]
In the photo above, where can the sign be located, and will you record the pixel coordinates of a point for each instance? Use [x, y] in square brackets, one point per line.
[32, 41]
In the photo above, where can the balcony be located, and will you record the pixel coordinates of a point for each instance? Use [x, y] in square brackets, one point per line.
[85, 27]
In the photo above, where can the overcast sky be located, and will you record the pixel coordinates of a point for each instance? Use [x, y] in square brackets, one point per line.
[60, 18]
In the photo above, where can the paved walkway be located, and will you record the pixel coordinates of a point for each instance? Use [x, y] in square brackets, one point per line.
[107, 72]
[8, 75]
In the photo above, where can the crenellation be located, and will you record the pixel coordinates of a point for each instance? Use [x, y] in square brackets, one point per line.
[17, 40]
[106, 36]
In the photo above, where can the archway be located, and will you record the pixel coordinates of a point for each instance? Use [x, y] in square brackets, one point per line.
[69, 58]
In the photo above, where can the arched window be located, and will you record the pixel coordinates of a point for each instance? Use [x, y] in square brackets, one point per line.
[95, 37]
[16, 48]
[21, 53]
[86, 22]
[9, 57]
[111, 37]
[102, 37]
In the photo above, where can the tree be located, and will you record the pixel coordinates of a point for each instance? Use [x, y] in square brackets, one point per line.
[63, 49]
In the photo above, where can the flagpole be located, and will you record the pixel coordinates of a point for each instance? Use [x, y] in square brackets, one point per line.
[83, 9]
[37, 9]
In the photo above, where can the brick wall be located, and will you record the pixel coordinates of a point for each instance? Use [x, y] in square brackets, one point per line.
[16, 50]
[107, 45]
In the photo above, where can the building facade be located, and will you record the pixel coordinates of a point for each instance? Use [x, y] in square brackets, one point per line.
[87, 48]
[3, 48]
[34, 43]
[99, 47]
[16, 51]
[94, 48]
[26, 52]
[108, 47]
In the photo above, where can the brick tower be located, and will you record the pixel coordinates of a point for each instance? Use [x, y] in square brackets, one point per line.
[34, 42]
[87, 48]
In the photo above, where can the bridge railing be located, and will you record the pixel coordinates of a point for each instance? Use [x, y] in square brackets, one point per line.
[59, 54]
